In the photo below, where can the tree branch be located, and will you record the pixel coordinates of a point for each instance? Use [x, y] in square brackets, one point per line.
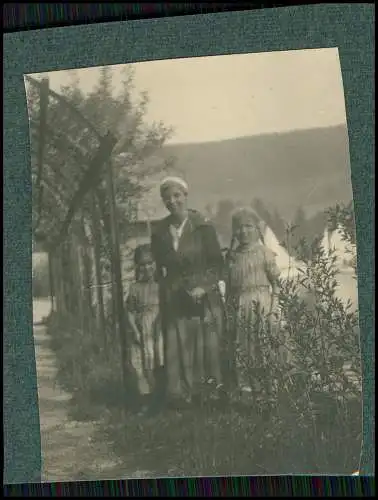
[89, 181]
[43, 106]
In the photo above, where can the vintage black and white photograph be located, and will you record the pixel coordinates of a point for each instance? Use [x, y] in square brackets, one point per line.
[195, 295]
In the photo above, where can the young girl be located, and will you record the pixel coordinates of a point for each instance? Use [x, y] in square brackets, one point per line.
[142, 308]
[251, 289]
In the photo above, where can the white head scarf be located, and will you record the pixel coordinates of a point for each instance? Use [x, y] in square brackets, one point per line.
[173, 181]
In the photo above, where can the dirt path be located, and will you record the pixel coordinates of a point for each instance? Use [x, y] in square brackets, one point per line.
[70, 450]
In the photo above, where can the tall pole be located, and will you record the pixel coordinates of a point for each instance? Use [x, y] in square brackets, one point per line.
[96, 231]
[118, 289]
[149, 230]
[51, 280]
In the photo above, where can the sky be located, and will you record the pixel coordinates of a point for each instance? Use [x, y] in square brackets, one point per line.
[222, 97]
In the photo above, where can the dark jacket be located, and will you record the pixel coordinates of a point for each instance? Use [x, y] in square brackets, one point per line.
[198, 262]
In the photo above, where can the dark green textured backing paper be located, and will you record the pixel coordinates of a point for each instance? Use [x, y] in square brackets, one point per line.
[348, 27]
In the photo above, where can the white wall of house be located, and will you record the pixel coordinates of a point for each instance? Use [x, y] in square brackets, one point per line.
[344, 252]
[288, 265]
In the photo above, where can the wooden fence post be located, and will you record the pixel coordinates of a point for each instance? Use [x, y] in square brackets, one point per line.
[51, 280]
[77, 276]
[56, 278]
[97, 264]
[88, 275]
[62, 292]
[116, 266]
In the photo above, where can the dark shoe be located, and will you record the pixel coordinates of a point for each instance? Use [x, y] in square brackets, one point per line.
[224, 398]
[152, 410]
[198, 401]
[155, 405]
[178, 403]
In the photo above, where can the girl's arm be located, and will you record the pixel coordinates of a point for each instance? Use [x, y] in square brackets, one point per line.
[227, 269]
[136, 337]
[130, 315]
[273, 273]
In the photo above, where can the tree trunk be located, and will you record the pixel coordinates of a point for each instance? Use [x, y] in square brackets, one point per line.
[96, 231]
[87, 275]
[51, 280]
[116, 264]
[80, 279]
[107, 227]
[69, 277]
[62, 306]
[149, 228]
[56, 278]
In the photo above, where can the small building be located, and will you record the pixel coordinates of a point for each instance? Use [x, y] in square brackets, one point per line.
[137, 230]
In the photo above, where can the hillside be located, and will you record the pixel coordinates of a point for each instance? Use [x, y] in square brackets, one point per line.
[308, 168]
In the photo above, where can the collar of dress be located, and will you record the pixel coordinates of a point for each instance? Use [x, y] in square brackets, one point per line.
[176, 232]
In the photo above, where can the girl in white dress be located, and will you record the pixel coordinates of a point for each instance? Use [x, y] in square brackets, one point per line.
[142, 308]
[252, 284]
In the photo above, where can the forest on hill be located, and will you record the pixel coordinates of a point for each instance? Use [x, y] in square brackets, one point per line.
[300, 170]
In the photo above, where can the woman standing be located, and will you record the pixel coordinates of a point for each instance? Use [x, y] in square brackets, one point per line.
[189, 266]
[251, 292]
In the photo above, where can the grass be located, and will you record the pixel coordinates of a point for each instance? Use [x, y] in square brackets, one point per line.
[188, 443]
[234, 441]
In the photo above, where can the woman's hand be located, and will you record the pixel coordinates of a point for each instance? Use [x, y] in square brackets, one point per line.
[197, 293]
[135, 333]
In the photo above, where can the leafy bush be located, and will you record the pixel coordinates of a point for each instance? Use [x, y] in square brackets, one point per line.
[310, 371]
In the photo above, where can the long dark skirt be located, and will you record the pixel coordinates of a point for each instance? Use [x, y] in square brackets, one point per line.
[193, 349]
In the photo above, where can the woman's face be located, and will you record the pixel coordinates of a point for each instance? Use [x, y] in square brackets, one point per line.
[175, 200]
[146, 270]
[247, 234]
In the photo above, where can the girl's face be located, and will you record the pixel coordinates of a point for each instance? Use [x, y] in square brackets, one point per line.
[247, 234]
[146, 271]
[175, 200]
